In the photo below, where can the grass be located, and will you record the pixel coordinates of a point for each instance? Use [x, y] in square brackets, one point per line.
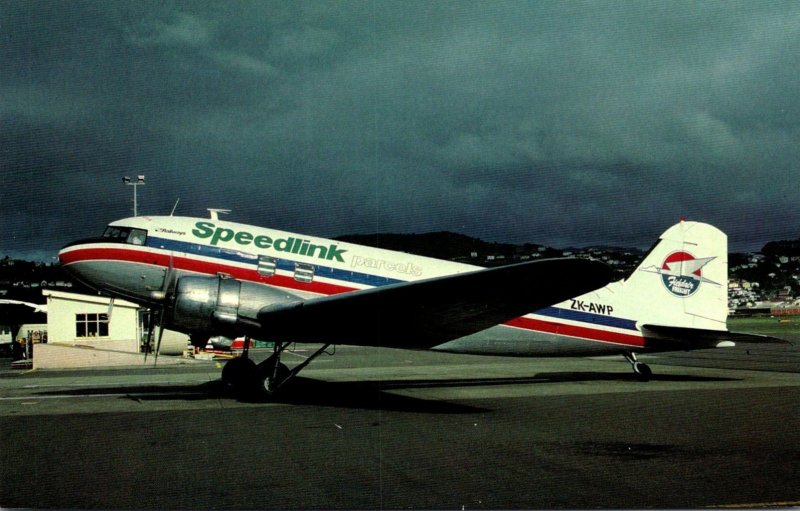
[771, 325]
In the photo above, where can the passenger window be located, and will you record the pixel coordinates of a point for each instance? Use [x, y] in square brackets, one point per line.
[267, 266]
[303, 272]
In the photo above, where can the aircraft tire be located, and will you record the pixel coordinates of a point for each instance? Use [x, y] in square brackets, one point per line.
[239, 373]
[199, 341]
[643, 371]
[269, 386]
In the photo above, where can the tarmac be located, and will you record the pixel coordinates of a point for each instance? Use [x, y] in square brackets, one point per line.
[374, 428]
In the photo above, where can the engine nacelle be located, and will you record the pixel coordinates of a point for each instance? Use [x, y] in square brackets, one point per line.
[221, 306]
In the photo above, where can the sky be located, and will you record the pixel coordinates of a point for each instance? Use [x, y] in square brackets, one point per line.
[563, 123]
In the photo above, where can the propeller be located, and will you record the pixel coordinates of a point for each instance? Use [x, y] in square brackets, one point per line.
[166, 289]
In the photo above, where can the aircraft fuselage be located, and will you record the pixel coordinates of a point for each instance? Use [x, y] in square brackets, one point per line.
[137, 258]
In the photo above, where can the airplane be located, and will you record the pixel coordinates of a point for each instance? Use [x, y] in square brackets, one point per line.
[208, 277]
[14, 314]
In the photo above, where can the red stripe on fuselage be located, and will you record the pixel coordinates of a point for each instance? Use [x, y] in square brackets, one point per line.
[211, 268]
[197, 266]
[592, 334]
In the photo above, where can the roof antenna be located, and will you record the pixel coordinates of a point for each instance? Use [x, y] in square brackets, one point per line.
[215, 212]
[175, 207]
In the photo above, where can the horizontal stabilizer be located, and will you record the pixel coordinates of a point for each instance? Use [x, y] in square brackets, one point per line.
[680, 338]
[429, 312]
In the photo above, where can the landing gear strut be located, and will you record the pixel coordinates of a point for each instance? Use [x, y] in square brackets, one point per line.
[272, 373]
[641, 369]
[266, 378]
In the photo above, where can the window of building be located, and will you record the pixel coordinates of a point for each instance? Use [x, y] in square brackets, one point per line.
[91, 325]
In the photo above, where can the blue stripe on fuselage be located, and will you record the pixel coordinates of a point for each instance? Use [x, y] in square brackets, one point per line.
[238, 256]
[587, 317]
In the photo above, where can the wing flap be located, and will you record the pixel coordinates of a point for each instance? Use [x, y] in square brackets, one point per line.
[425, 313]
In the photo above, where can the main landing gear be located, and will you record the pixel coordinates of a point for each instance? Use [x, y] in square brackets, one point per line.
[243, 375]
[641, 369]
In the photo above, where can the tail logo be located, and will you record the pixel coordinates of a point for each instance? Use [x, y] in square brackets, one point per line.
[682, 273]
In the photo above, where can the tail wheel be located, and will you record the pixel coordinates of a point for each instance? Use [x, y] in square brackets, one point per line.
[642, 371]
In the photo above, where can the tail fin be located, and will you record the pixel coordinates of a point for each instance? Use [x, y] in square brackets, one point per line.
[677, 299]
[682, 282]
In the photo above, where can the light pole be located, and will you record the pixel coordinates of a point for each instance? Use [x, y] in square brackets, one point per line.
[134, 184]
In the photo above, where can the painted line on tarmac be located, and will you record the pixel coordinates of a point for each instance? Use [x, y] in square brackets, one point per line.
[165, 392]
[136, 383]
[110, 394]
[760, 505]
[70, 396]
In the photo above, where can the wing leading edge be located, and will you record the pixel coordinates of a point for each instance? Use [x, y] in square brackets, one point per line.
[429, 312]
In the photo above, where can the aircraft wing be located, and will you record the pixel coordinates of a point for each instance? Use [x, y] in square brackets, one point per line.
[679, 338]
[22, 305]
[429, 312]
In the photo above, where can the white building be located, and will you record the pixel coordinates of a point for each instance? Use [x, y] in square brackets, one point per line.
[84, 319]
[83, 331]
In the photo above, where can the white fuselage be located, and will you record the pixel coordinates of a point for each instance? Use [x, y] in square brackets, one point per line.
[137, 255]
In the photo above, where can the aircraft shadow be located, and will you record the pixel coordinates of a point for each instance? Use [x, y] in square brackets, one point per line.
[377, 394]
[364, 394]
[560, 377]
[302, 391]
[542, 378]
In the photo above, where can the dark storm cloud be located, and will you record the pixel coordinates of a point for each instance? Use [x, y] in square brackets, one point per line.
[565, 123]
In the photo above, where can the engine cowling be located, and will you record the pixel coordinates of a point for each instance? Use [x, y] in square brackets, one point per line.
[221, 306]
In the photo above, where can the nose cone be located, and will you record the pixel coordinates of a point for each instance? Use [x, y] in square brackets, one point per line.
[116, 269]
[74, 252]
[61, 255]
[73, 259]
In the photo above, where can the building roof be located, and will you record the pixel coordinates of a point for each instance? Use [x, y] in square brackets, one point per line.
[75, 297]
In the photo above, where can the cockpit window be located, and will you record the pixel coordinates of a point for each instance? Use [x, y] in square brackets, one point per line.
[137, 236]
[116, 233]
[125, 235]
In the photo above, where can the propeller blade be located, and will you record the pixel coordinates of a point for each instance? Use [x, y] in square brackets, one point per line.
[168, 275]
[167, 287]
[160, 335]
[150, 325]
